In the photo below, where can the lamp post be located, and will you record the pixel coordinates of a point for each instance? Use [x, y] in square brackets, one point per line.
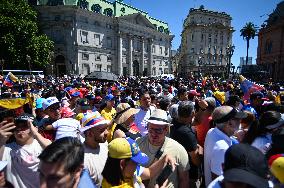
[230, 51]
[29, 62]
[51, 56]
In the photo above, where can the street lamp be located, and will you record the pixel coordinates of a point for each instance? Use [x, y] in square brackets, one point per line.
[29, 62]
[51, 56]
[229, 51]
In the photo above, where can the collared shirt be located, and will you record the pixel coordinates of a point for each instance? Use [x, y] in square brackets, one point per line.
[216, 144]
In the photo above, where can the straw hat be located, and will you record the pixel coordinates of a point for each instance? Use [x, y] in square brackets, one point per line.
[123, 112]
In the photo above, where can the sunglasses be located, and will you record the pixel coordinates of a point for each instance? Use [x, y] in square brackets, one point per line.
[156, 131]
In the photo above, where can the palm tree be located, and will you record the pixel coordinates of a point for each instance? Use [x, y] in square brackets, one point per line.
[248, 32]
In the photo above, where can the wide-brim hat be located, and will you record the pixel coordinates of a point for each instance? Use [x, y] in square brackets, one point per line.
[123, 112]
[243, 176]
[159, 117]
[92, 119]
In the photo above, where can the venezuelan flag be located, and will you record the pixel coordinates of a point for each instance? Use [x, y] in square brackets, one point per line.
[248, 87]
[10, 80]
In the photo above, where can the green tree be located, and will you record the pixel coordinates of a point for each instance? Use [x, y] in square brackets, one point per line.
[19, 36]
[248, 32]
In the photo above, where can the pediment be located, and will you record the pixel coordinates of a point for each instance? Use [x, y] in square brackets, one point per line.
[139, 19]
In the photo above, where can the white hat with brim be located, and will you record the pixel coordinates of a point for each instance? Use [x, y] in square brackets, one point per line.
[159, 117]
[3, 164]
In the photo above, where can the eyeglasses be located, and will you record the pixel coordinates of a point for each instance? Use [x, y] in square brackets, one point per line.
[156, 131]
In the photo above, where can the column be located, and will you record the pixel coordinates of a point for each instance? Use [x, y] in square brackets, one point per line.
[119, 54]
[130, 55]
[142, 58]
[150, 57]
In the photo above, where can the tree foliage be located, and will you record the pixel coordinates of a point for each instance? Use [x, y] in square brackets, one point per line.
[19, 36]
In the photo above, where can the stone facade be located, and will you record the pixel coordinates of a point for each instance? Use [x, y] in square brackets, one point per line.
[98, 35]
[270, 52]
[206, 36]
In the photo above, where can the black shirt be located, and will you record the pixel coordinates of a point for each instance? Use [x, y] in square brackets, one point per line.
[186, 136]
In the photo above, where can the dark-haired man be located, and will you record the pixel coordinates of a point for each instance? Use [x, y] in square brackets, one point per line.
[61, 165]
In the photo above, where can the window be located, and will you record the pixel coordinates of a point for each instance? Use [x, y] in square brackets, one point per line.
[161, 50]
[153, 49]
[97, 39]
[209, 38]
[109, 42]
[153, 71]
[83, 4]
[221, 39]
[98, 57]
[160, 70]
[99, 67]
[166, 70]
[221, 51]
[166, 51]
[109, 68]
[161, 29]
[166, 63]
[85, 56]
[108, 26]
[201, 50]
[108, 12]
[268, 46]
[96, 8]
[153, 62]
[109, 58]
[202, 37]
[216, 38]
[161, 63]
[192, 37]
[84, 37]
[192, 50]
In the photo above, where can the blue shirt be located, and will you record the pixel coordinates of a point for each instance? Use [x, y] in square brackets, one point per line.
[85, 180]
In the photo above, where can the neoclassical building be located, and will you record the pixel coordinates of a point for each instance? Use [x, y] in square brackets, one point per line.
[270, 51]
[98, 35]
[206, 37]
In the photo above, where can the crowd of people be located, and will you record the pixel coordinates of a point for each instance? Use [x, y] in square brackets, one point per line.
[151, 132]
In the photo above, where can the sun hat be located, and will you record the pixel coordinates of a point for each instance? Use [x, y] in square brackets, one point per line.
[3, 164]
[276, 164]
[276, 125]
[92, 119]
[159, 117]
[123, 112]
[246, 164]
[124, 148]
[225, 113]
[48, 102]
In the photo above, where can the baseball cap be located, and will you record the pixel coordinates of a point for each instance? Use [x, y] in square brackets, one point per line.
[276, 164]
[109, 97]
[48, 102]
[193, 93]
[124, 148]
[225, 113]
[92, 119]
[246, 164]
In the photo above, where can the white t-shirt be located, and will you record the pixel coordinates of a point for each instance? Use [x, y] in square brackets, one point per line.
[141, 119]
[23, 163]
[216, 144]
[95, 160]
[66, 127]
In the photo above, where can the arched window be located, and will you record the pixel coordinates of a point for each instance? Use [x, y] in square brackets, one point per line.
[96, 8]
[83, 4]
[108, 12]
[161, 29]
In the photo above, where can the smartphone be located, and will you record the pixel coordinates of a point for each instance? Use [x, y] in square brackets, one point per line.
[166, 172]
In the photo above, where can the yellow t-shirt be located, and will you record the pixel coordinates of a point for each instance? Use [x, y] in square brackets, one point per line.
[108, 114]
[129, 184]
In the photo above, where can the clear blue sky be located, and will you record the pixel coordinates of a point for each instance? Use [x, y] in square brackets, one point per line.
[242, 11]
